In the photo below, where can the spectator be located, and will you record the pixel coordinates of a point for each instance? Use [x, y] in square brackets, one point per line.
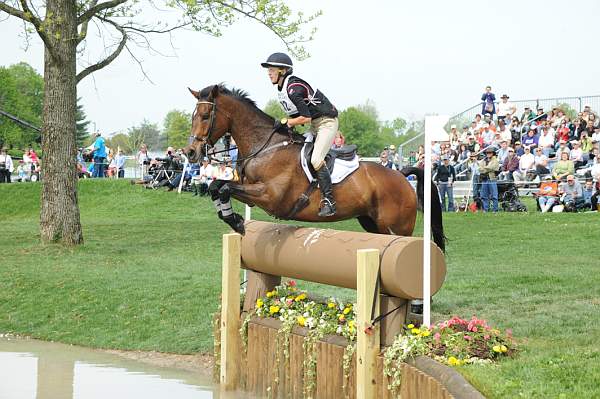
[531, 138]
[204, 178]
[541, 115]
[519, 151]
[505, 109]
[596, 136]
[572, 197]
[502, 152]
[588, 192]
[225, 172]
[488, 98]
[6, 167]
[143, 159]
[546, 142]
[394, 157]
[504, 132]
[576, 155]
[445, 177]
[562, 147]
[510, 165]
[120, 164]
[547, 196]
[233, 153]
[594, 199]
[464, 134]
[564, 167]
[472, 145]
[385, 162]
[478, 123]
[339, 140]
[412, 158]
[454, 137]
[527, 115]
[488, 168]
[99, 149]
[541, 165]
[586, 144]
[526, 165]
[488, 135]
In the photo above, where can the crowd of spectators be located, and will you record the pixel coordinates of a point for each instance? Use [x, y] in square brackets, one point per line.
[524, 148]
[25, 169]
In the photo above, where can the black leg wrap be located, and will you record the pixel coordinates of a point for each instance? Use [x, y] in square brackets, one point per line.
[214, 187]
[236, 222]
[224, 193]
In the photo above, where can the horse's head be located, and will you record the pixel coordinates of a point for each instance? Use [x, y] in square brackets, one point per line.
[209, 123]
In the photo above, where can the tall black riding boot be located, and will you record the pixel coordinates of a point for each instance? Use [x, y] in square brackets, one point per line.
[327, 201]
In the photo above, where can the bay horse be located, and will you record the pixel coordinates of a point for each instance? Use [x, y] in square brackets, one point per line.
[272, 178]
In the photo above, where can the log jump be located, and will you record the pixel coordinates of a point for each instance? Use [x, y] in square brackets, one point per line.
[383, 269]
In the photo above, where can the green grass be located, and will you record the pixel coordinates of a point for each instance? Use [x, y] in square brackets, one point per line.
[148, 278]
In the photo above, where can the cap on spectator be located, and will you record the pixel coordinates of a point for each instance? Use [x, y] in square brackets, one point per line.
[504, 96]
[465, 126]
[517, 143]
[445, 158]
[392, 147]
[510, 149]
[488, 115]
[97, 134]
[205, 159]
[453, 127]
[533, 126]
[471, 137]
[491, 149]
[540, 109]
[548, 177]
[527, 108]
[570, 178]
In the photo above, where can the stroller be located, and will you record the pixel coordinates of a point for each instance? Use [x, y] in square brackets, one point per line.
[508, 197]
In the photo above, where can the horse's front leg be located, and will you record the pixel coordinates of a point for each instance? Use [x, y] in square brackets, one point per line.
[221, 191]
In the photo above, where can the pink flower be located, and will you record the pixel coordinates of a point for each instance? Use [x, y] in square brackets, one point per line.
[292, 283]
[486, 337]
[467, 337]
[474, 329]
[437, 337]
[289, 301]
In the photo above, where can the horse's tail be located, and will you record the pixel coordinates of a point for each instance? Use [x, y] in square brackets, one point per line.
[437, 227]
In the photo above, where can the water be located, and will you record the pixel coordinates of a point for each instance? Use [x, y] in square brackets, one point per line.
[31, 369]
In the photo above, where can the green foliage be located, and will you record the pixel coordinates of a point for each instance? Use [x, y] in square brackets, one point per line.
[119, 141]
[21, 94]
[146, 133]
[82, 131]
[273, 108]
[569, 111]
[177, 128]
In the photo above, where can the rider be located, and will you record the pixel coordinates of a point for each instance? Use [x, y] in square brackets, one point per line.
[303, 105]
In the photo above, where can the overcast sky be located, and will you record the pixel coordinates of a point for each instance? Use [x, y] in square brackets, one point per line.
[410, 58]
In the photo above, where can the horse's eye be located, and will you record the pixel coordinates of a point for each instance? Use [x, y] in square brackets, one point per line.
[205, 117]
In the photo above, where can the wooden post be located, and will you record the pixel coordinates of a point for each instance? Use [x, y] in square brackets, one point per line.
[367, 342]
[230, 312]
[257, 287]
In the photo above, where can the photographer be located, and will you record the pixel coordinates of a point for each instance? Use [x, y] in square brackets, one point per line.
[143, 159]
[6, 166]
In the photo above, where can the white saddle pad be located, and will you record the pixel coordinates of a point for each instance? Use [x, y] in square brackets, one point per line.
[341, 168]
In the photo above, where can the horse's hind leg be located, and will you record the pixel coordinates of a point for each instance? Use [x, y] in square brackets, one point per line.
[368, 224]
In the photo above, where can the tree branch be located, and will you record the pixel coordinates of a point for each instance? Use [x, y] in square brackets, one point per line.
[110, 58]
[27, 16]
[96, 8]
[84, 25]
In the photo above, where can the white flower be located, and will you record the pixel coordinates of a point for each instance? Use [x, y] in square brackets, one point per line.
[338, 330]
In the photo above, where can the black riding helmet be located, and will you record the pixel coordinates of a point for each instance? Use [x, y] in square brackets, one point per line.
[278, 60]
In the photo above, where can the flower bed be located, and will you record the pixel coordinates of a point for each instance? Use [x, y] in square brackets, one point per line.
[454, 342]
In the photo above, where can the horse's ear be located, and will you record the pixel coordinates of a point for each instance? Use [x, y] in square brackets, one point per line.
[194, 93]
[214, 92]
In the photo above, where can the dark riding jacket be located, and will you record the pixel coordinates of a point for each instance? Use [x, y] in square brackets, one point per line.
[298, 98]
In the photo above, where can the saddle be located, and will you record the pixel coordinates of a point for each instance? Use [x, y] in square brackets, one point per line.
[345, 153]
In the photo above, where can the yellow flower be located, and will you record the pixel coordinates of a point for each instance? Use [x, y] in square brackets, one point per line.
[426, 333]
[270, 294]
[300, 297]
[273, 309]
[415, 331]
[347, 310]
[301, 321]
[331, 305]
[452, 361]
[351, 324]
[259, 303]
[410, 326]
[497, 348]
[503, 348]
[341, 317]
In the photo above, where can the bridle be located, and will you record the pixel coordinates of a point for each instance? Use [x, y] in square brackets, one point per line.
[206, 141]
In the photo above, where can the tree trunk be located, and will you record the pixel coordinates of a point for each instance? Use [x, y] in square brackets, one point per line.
[59, 219]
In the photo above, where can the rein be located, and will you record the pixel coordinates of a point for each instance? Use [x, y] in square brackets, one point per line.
[208, 144]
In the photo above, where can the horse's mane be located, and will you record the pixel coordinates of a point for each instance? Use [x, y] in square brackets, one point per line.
[238, 94]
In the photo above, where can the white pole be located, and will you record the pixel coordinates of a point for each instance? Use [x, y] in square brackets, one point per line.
[185, 164]
[248, 213]
[434, 130]
[427, 233]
